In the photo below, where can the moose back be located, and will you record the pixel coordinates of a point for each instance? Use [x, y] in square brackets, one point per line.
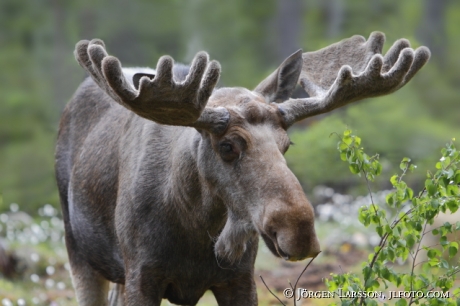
[166, 182]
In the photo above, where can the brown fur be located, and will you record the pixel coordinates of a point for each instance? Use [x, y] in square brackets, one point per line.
[166, 183]
[158, 222]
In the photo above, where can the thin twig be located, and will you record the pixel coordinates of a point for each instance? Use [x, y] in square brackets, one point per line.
[404, 172]
[432, 288]
[370, 195]
[271, 291]
[413, 264]
[298, 278]
[304, 269]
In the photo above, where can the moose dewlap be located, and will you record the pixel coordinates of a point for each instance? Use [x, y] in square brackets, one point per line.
[166, 182]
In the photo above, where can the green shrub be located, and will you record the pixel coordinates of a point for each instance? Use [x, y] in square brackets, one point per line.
[401, 233]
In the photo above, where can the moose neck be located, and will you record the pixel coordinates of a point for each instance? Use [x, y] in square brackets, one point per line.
[189, 193]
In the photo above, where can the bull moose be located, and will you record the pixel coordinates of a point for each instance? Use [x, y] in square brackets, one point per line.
[166, 182]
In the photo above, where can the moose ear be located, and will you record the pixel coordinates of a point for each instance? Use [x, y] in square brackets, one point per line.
[279, 85]
[137, 78]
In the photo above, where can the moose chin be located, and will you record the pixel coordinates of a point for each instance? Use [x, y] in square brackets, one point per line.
[166, 182]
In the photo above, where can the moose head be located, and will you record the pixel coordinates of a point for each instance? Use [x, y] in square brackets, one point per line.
[244, 132]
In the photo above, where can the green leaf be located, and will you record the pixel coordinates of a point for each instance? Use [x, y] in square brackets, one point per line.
[404, 253]
[403, 165]
[419, 284]
[385, 273]
[410, 240]
[391, 254]
[357, 141]
[343, 146]
[426, 267]
[370, 176]
[332, 286]
[371, 302]
[401, 302]
[375, 219]
[351, 156]
[409, 193]
[453, 249]
[449, 173]
[444, 263]
[456, 178]
[367, 272]
[379, 230]
[398, 280]
[359, 155]
[452, 205]
[362, 217]
[354, 168]
[347, 139]
[390, 199]
[453, 190]
[346, 302]
[430, 187]
[372, 284]
[378, 168]
[388, 229]
[443, 241]
[445, 161]
[432, 253]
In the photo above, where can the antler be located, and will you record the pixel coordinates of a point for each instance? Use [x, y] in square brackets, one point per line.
[351, 70]
[160, 99]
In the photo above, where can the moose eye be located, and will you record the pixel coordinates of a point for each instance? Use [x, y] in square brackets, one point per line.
[226, 148]
[227, 152]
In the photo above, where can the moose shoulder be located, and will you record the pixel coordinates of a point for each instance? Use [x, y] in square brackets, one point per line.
[166, 182]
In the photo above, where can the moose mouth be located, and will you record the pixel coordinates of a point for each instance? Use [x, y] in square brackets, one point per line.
[273, 246]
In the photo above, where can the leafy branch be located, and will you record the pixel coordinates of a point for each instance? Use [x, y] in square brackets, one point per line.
[412, 216]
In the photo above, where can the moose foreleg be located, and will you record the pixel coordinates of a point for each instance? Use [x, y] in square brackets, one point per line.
[91, 288]
[241, 291]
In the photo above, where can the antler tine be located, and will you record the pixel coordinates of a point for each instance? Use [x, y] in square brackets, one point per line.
[82, 57]
[91, 63]
[118, 84]
[360, 72]
[421, 57]
[160, 99]
[393, 54]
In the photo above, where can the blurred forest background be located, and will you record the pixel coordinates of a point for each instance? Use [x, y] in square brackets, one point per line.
[250, 39]
[38, 75]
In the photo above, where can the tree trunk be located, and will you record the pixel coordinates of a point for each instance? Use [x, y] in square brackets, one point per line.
[432, 31]
[288, 27]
